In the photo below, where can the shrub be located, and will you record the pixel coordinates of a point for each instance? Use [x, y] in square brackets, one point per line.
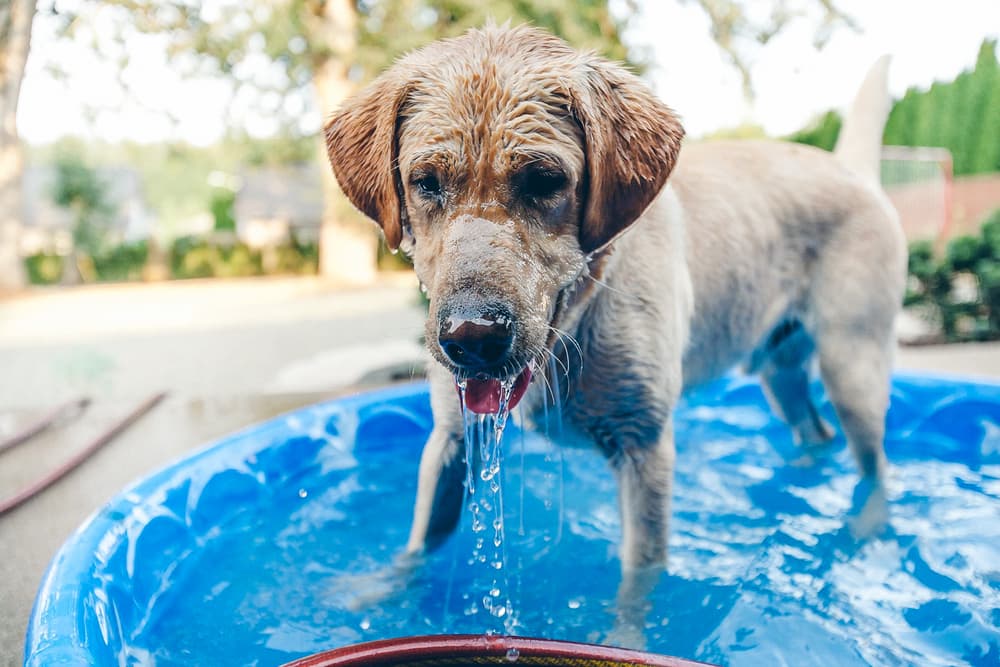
[43, 268]
[969, 262]
[122, 262]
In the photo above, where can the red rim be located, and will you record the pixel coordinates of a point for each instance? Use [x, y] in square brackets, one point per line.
[480, 649]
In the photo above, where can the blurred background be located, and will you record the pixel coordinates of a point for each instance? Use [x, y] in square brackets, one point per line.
[168, 221]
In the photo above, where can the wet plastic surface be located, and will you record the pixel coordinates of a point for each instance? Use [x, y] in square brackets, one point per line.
[277, 542]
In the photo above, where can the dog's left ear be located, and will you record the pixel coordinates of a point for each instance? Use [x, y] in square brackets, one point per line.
[632, 142]
[363, 149]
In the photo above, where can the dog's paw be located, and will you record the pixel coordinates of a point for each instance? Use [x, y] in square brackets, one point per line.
[357, 592]
[869, 514]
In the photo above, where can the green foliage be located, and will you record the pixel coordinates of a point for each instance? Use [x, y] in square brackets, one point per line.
[197, 257]
[295, 258]
[277, 49]
[743, 131]
[122, 262]
[43, 268]
[78, 189]
[223, 211]
[822, 133]
[390, 28]
[969, 261]
[962, 116]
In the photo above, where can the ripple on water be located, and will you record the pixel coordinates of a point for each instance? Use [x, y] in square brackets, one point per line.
[765, 566]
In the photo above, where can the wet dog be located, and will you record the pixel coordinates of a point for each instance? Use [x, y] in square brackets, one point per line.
[529, 183]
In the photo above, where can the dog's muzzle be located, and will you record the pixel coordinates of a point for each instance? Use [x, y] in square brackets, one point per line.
[479, 342]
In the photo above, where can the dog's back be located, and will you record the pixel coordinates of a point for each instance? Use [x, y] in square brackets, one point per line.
[759, 217]
[794, 253]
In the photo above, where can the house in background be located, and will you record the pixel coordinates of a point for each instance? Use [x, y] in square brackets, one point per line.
[273, 204]
[49, 228]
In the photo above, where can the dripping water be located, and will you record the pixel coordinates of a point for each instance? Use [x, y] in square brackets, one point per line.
[491, 591]
[484, 501]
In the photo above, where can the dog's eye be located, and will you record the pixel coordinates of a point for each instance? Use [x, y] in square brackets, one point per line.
[428, 186]
[541, 183]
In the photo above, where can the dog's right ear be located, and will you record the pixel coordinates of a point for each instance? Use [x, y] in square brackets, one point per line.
[361, 141]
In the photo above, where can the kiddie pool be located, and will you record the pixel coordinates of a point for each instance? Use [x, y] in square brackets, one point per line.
[276, 542]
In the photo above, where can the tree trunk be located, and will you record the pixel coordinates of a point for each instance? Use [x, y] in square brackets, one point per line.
[348, 242]
[15, 36]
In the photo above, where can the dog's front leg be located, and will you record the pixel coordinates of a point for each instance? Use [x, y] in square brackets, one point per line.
[442, 468]
[645, 480]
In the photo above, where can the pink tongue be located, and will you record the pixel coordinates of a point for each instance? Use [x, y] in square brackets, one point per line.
[483, 396]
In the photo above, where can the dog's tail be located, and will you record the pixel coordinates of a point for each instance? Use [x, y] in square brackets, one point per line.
[859, 145]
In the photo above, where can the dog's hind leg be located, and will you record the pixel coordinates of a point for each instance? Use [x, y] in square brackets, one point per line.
[783, 364]
[855, 296]
[855, 371]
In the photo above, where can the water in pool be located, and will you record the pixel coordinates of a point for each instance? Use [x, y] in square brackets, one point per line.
[764, 566]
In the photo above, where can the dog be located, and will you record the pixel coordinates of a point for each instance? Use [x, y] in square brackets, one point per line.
[529, 184]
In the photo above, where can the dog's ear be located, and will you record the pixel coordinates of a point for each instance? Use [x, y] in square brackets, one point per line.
[632, 141]
[361, 141]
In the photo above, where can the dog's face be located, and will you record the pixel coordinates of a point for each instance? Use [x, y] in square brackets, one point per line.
[501, 160]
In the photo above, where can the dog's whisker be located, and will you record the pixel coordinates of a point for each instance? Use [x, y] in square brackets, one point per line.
[562, 337]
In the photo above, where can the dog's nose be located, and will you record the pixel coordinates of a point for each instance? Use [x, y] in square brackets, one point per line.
[477, 339]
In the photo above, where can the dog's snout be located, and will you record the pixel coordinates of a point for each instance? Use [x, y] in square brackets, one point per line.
[477, 340]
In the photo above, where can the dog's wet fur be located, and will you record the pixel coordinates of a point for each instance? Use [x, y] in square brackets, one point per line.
[527, 178]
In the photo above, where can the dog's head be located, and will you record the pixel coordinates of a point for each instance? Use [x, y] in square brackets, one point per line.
[501, 161]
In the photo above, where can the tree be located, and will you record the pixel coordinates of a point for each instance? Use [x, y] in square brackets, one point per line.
[15, 37]
[985, 138]
[738, 28]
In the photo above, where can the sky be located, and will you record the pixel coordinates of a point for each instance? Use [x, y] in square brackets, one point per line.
[928, 39]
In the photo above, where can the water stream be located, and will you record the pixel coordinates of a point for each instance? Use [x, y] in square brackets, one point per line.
[484, 502]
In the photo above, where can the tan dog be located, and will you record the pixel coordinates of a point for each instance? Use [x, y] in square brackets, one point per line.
[529, 183]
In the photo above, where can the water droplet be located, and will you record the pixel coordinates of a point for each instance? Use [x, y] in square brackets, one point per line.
[574, 603]
[303, 493]
[365, 624]
[513, 654]
[495, 592]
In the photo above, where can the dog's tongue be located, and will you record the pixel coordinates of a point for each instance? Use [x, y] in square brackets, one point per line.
[483, 396]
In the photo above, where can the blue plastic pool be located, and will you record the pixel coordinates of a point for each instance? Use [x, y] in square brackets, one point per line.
[275, 543]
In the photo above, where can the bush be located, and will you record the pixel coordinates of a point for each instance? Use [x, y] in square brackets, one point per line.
[970, 264]
[196, 257]
[122, 262]
[43, 268]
